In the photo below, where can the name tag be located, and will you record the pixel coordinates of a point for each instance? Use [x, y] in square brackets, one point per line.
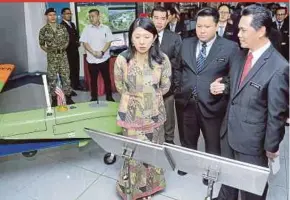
[221, 59]
[255, 85]
[229, 33]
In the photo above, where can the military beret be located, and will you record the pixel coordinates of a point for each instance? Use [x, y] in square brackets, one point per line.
[49, 10]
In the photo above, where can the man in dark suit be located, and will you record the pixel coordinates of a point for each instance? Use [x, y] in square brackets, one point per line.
[174, 24]
[282, 25]
[170, 44]
[72, 49]
[259, 94]
[203, 59]
[225, 29]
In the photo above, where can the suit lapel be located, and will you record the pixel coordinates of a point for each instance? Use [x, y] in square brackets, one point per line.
[192, 52]
[162, 43]
[238, 71]
[226, 29]
[260, 63]
[212, 53]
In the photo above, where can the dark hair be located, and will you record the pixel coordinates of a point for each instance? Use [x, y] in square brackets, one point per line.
[261, 17]
[64, 9]
[226, 5]
[154, 51]
[281, 8]
[209, 12]
[172, 11]
[94, 10]
[160, 9]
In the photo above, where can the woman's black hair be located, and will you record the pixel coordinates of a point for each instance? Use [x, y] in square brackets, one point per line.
[154, 51]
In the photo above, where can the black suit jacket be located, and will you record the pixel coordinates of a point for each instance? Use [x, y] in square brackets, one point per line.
[284, 43]
[180, 29]
[258, 109]
[73, 36]
[231, 33]
[171, 45]
[216, 65]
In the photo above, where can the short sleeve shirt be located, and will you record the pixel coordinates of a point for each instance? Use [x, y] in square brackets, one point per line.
[97, 37]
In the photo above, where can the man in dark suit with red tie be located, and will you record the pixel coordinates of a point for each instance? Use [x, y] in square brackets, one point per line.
[72, 49]
[254, 124]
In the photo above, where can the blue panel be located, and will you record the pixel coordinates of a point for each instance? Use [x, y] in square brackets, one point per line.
[58, 7]
[7, 149]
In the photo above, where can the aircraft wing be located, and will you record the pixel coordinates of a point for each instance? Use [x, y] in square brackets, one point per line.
[5, 72]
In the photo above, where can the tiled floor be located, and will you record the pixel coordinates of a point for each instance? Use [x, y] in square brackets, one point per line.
[72, 173]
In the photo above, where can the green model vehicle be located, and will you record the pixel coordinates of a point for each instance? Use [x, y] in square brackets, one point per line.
[58, 123]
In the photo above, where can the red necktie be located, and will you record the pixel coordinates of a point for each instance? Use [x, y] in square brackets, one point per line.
[247, 67]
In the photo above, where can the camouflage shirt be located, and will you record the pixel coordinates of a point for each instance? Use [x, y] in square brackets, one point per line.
[53, 40]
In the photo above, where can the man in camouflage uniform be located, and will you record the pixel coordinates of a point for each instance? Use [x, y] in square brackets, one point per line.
[54, 39]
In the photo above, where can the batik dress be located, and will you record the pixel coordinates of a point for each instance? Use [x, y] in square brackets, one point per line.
[142, 115]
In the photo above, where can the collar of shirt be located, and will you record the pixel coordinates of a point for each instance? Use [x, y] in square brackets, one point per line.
[279, 23]
[94, 26]
[67, 22]
[160, 36]
[258, 53]
[222, 25]
[208, 46]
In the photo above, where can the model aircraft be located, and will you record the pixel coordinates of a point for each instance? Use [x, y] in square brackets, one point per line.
[62, 122]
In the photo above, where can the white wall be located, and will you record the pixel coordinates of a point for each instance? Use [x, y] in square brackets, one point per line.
[13, 48]
[34, 20]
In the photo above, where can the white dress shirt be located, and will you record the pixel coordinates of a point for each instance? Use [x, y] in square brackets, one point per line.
[68, 23]
[97, 37]
[258, 53]
[173, 26]
[281, 24]
[208, 47]
[160, 36]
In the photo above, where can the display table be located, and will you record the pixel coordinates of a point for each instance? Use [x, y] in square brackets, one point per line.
[101, 85]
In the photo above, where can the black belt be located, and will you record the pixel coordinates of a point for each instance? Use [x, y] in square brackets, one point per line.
[57, 51]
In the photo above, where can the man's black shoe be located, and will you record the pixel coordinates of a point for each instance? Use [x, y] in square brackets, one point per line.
[181, 173]
[69, 101]
[73, 93]
[110, 98]
[205, 181]
[53, 101]
[94, 99]
[169, 141]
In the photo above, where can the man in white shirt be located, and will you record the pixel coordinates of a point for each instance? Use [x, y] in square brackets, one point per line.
[97, 38]
[254, 124]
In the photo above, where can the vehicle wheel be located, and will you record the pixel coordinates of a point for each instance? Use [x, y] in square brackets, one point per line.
[29, 154]
[109, 159]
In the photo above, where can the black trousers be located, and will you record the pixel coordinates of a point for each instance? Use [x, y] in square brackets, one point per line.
[74, 67]
[94, 70]
[229, 193]
[191, 121]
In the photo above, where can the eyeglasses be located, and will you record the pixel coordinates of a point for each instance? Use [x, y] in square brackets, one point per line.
[223, 13]
[280, 14]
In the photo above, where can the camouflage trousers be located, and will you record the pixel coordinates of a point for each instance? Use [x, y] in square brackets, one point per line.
[57, 63]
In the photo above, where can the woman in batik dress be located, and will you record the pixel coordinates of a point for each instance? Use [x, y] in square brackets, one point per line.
[142, 76]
